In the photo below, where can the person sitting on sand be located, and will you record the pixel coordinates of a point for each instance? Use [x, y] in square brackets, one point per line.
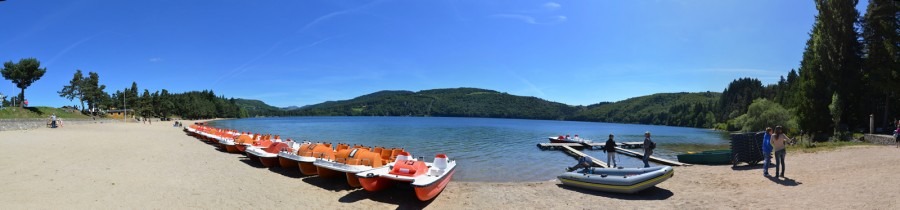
[778, 142]
[649, 145]
[583, 162]
[767, 150]
[610, 149]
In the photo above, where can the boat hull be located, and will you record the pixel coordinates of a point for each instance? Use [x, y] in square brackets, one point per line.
[232, 149]
[241, 147]
[374, 183]
[558, 140]
[307, 168]
[610, 180]
[269, 162]
[328, 173]
[287, 163]
[348, 171]
[707, 157]
[428, 192]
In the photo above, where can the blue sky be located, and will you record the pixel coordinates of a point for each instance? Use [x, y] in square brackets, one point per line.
[306, 52]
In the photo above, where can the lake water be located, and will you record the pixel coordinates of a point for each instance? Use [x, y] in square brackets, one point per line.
[486, 149]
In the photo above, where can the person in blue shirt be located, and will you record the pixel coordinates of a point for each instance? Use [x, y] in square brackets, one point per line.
[767, 150]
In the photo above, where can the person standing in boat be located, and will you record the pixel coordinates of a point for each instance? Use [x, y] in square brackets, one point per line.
[767, 150]
[649, 146]
[778, 142]
[610, 149]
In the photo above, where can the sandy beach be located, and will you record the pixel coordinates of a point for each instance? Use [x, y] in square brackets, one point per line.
[140, 166]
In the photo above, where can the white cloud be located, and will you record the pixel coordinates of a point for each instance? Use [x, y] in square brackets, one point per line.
[155, 59]
[561, 18]
[335, 14]
[523, 18]
[551, 6]
[311, 45]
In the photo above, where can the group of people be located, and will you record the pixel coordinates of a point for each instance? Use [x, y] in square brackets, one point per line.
[610, 149]
[774, 141]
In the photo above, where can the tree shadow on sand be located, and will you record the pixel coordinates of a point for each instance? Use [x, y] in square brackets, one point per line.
[653, 193]
[401, 194]
[786, 181]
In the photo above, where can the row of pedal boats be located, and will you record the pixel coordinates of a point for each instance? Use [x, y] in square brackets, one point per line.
[372, 168]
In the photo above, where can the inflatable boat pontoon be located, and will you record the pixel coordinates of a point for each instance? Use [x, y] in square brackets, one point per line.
[619, 180]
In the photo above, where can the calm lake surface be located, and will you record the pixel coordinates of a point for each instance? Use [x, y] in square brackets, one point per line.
[487, 149]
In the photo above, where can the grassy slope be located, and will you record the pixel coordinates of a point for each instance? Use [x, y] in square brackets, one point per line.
[37, 112]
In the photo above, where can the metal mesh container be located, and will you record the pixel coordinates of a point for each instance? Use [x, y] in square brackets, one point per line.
[747, 148]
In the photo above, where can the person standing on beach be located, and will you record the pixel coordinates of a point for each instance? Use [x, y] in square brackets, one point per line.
[767, 150]
[897, 134]
[610, 149]
[778, 142]
[649, 145]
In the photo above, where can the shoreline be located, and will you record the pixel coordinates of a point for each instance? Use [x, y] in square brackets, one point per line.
[158, 166]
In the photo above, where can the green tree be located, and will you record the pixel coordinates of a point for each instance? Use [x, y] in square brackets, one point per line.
[836, 112]
[764, 113]
[23, 74]
[840, 54]
[73, 90]
[831, 65]
[145, 108]
[94, 92]
[739, 94]
[814, 94]
[881, 42]
[166, 106]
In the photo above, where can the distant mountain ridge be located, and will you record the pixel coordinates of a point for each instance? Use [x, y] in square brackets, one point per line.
[451, 102]
[258, 108]
[676, 109]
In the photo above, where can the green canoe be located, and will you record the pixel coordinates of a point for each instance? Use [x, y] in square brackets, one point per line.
[706, 157]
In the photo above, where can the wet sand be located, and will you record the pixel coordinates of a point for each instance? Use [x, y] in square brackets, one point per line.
[157, 166]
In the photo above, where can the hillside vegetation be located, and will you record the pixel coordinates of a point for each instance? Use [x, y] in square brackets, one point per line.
[453, 102]
[676, 109]
[38, 112]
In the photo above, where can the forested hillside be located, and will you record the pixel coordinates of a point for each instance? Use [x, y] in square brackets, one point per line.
[453, 102]
[676, 109]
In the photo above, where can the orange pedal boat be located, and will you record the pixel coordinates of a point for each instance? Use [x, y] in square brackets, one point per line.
[348, 163]
[427, 179]
[268, 156]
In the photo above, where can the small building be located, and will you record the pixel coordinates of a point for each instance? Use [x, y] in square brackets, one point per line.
[119, 113]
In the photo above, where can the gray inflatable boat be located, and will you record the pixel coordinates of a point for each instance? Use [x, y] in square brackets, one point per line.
[619, 180]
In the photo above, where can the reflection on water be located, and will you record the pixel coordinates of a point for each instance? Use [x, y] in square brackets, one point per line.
[486, 149]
